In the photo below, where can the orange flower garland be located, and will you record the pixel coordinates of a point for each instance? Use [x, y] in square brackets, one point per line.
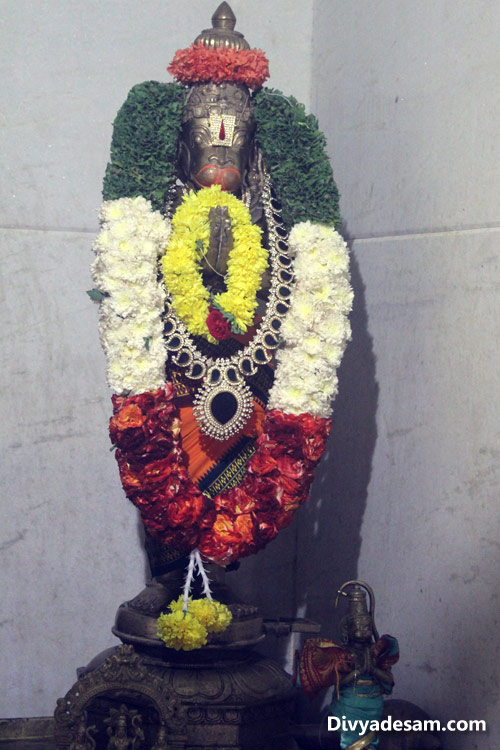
[237, 522]
[199, 64]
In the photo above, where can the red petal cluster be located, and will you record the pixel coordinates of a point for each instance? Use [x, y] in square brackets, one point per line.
[153, 468]
[200, 64]
[277, 482]
[217, 325]
[236, 523]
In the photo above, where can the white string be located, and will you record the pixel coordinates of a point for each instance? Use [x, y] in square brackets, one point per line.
[203, 574]
[189, 580]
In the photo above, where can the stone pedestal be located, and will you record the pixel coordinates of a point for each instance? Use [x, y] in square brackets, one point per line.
[129, 698]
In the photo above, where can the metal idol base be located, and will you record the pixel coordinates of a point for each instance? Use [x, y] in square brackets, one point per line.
[144, 696]
[209, 699]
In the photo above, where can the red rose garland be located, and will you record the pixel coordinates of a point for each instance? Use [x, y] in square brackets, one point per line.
[237, 522]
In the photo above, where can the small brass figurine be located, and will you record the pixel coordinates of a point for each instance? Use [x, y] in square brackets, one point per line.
[83, 739]
[359, 669]
[124, 729]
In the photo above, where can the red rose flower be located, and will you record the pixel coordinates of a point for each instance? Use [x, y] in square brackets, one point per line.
[284, 430]
[131, 480]
[316, 431]
[213, 547]
[290, 467]
[267, 530]
[236, 501]
[155, 472]
[218, 326]
[129, 416]
[284, 518]
[261, 463]
[263, 488]
[183, 511]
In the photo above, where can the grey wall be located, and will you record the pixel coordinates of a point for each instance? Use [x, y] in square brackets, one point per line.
[406, 495]
[407, 94]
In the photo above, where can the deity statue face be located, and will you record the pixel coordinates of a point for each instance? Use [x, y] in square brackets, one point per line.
[359, 629]
[217, 135]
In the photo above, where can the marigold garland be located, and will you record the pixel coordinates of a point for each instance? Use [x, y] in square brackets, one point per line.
[181, 630]
[199, 64]
[213, 615]
[181, 270]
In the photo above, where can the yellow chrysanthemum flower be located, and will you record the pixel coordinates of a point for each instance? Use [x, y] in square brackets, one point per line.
[177, 604]
[204, 611]
[181, 630]
[224, 618]
[213, 616]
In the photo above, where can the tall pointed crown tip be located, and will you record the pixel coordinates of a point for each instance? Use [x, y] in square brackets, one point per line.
[223, 17]
[222, 33]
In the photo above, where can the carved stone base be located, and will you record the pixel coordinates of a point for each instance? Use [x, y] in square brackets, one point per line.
[131, 700]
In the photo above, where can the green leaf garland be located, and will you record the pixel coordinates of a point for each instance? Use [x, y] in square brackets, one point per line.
[144, 151]
[144, 144]
[294, 152]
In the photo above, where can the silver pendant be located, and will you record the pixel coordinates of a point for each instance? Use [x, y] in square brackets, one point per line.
[224, 404]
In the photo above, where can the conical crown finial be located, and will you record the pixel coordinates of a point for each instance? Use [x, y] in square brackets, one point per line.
[222, 33]
[224, 18]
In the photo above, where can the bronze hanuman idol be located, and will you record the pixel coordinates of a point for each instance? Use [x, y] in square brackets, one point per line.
[224, 294]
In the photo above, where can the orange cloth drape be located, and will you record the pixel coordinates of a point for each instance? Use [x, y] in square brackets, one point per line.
[204, 452]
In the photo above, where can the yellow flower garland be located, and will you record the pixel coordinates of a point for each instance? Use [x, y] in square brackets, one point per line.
[180, 263]
[188, 630]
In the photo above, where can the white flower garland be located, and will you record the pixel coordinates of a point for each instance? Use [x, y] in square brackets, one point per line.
[132, 238]
[316, 329]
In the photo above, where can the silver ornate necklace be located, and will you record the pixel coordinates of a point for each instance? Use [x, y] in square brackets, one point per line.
[224, 403]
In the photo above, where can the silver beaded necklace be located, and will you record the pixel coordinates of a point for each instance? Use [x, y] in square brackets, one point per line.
[222, 379]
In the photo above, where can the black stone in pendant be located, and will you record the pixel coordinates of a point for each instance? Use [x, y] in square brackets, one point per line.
[223, 406]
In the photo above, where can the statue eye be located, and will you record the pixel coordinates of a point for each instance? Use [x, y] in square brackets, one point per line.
[200, 137]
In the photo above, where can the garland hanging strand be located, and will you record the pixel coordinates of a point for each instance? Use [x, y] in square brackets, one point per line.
[203, 574]
[188, 580]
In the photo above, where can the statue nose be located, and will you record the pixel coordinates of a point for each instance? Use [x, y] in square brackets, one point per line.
[222, 157]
